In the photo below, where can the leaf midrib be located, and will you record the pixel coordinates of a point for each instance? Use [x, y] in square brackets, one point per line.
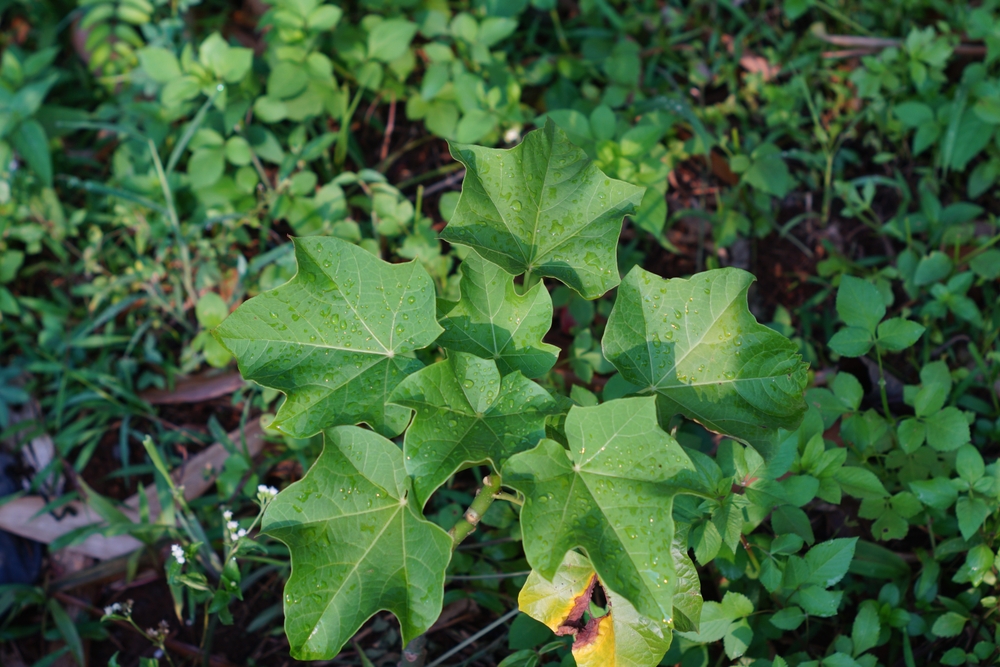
[357, 564]
[614, 527]
[691, 347]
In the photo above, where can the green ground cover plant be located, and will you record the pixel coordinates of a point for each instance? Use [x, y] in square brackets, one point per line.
[339, 340]
[485, 267]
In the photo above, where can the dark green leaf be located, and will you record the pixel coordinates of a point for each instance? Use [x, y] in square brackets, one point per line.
[695, 345]
[828, 561]
[467, 415]
[866, 628]
[860, 483]
[542, 207]
[898, 334]
[851, 342]
[358, 545]
[335, 336]
[947, 429]
[859, 304]
[971, 513]
[493, 321]
[30, 140]
[610, 494]
[949, 624]
[937, 492]
[390, 39]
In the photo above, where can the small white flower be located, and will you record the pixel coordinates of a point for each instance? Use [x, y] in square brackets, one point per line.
[241, 533]
[265, 493]
[112, 609]
[512, 135]
[227, 515]
[178, 553]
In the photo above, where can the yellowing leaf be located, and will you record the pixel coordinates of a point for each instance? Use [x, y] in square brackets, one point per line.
[620, 638]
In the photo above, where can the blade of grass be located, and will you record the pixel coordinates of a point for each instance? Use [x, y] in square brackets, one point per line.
[68, 631]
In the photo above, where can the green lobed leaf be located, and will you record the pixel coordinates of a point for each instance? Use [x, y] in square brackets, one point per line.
[32, 143]
[910, 434]
[817, 601]
[718, 618]
[334, 337]
[610, 494]
[737, 639]
[706, 541]
[160, 64]
[694, 344]
[969, 464]
[932, 268]
[542, 207]
[358, 545]
[390, 39]
[847, 388]
[466, 414]
[493, 321]
[860, 483]
[789, 618]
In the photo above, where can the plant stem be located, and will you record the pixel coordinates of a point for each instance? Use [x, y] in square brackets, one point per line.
[340, 152]
[414, 653]
[175, 223]
[560, 34]
[881, 385]
[827, 189]
[749, 550]
[484, 498]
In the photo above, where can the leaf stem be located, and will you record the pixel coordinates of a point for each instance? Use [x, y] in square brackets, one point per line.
[530, 280]
[881, 385]
[560, 34]
[484, 498]
[415, 653]
[749, 550]
[509, 498]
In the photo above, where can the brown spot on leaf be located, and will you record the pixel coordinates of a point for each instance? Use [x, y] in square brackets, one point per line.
[588, 635]
[574, 620]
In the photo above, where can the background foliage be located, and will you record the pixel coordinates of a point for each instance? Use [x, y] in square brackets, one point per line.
[155, 158]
